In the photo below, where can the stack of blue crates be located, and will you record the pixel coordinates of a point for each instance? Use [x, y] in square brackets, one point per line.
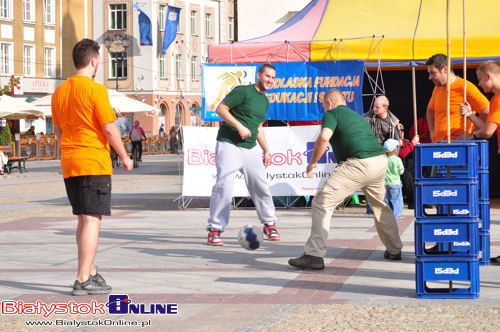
[447, 242]
[484, 202]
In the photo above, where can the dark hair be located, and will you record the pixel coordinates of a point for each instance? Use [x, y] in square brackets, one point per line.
[84, 51]
[439, 61]
[266, 66]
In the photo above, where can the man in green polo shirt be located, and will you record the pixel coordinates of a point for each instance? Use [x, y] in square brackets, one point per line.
[243, 110]
[362, 164]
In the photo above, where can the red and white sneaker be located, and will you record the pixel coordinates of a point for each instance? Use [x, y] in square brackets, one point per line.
[214, 238]
[271, 232]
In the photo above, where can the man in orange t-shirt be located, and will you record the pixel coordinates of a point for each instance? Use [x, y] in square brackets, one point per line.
[488, 74]
[84, 124]
[436, 109]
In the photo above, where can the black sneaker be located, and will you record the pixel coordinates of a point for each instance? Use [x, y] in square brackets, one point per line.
[434, 250]
[98, 279]
[307, 262]
[89, 287]
[393, 257]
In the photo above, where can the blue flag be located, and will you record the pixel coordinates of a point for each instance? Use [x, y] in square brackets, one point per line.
[171, 23]
[144, 27]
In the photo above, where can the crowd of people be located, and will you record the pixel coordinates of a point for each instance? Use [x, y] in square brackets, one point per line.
[378, 162]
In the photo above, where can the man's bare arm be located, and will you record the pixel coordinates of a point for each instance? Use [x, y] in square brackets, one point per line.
[261, 139]
[319, 149]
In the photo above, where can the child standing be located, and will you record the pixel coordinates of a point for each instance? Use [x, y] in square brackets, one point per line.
[394, 194]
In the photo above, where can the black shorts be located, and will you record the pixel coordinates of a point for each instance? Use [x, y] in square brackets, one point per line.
[89, 194]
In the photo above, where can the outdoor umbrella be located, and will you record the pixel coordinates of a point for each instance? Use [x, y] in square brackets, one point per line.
[122, 105]
[15, 109]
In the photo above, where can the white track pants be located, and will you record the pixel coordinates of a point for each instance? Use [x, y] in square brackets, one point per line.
[229, 159]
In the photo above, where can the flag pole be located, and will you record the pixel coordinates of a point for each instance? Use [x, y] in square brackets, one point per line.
[448, 48]
[465, 67]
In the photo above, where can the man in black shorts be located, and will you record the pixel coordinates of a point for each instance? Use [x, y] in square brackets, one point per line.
[84, 124]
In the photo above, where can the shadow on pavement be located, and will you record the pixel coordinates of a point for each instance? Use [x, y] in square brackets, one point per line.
[35, 287]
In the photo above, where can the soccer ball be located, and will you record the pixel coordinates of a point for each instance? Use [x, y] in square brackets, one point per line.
[250, 237]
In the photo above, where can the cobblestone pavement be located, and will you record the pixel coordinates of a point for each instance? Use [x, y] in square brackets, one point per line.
[155, 253]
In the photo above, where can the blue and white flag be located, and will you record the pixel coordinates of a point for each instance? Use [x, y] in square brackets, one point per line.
[144, 27]
[171, 23]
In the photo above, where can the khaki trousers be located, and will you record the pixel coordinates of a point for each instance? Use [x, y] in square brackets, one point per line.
[353, 174]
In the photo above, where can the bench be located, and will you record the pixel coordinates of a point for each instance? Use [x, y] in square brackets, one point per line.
[21, 161]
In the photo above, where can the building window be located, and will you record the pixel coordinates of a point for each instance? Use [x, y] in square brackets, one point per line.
[179, 26]
[49, 10]
[29, 60]
[194, 23]
[208, 25]
[163, 66]
[163, 17]
[194, 68]
[6, 9]
[118, 17]
[118, 65]
[28, 10]
[6, 55]
[230, 29]
[50, 62]
[178, 66]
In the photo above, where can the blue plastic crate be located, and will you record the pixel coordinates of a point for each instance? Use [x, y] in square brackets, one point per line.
[447, 236]
[484, 216]
[446, 211]
[429, 269]
[459, 193]
[483, 152]
[452, 154]
[484, 185]
[460, 172]
[463, 248]
[458, 211]
[484, 241]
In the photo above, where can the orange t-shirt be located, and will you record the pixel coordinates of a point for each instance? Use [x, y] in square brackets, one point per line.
[81, 107]
[438, 104]
[494, 115]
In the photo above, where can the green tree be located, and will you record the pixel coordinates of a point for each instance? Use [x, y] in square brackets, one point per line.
[5, 136]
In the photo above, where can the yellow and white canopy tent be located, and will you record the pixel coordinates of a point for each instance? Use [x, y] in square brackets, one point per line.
[353, 29]
[384, 33]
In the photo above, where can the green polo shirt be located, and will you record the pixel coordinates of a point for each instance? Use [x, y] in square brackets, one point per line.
[249, 107]
[352, 136]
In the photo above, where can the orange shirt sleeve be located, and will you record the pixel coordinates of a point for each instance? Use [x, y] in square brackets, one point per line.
[494, 115]
[475, 98]
[104, 111]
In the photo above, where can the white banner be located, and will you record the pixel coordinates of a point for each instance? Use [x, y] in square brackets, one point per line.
[291, 148]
